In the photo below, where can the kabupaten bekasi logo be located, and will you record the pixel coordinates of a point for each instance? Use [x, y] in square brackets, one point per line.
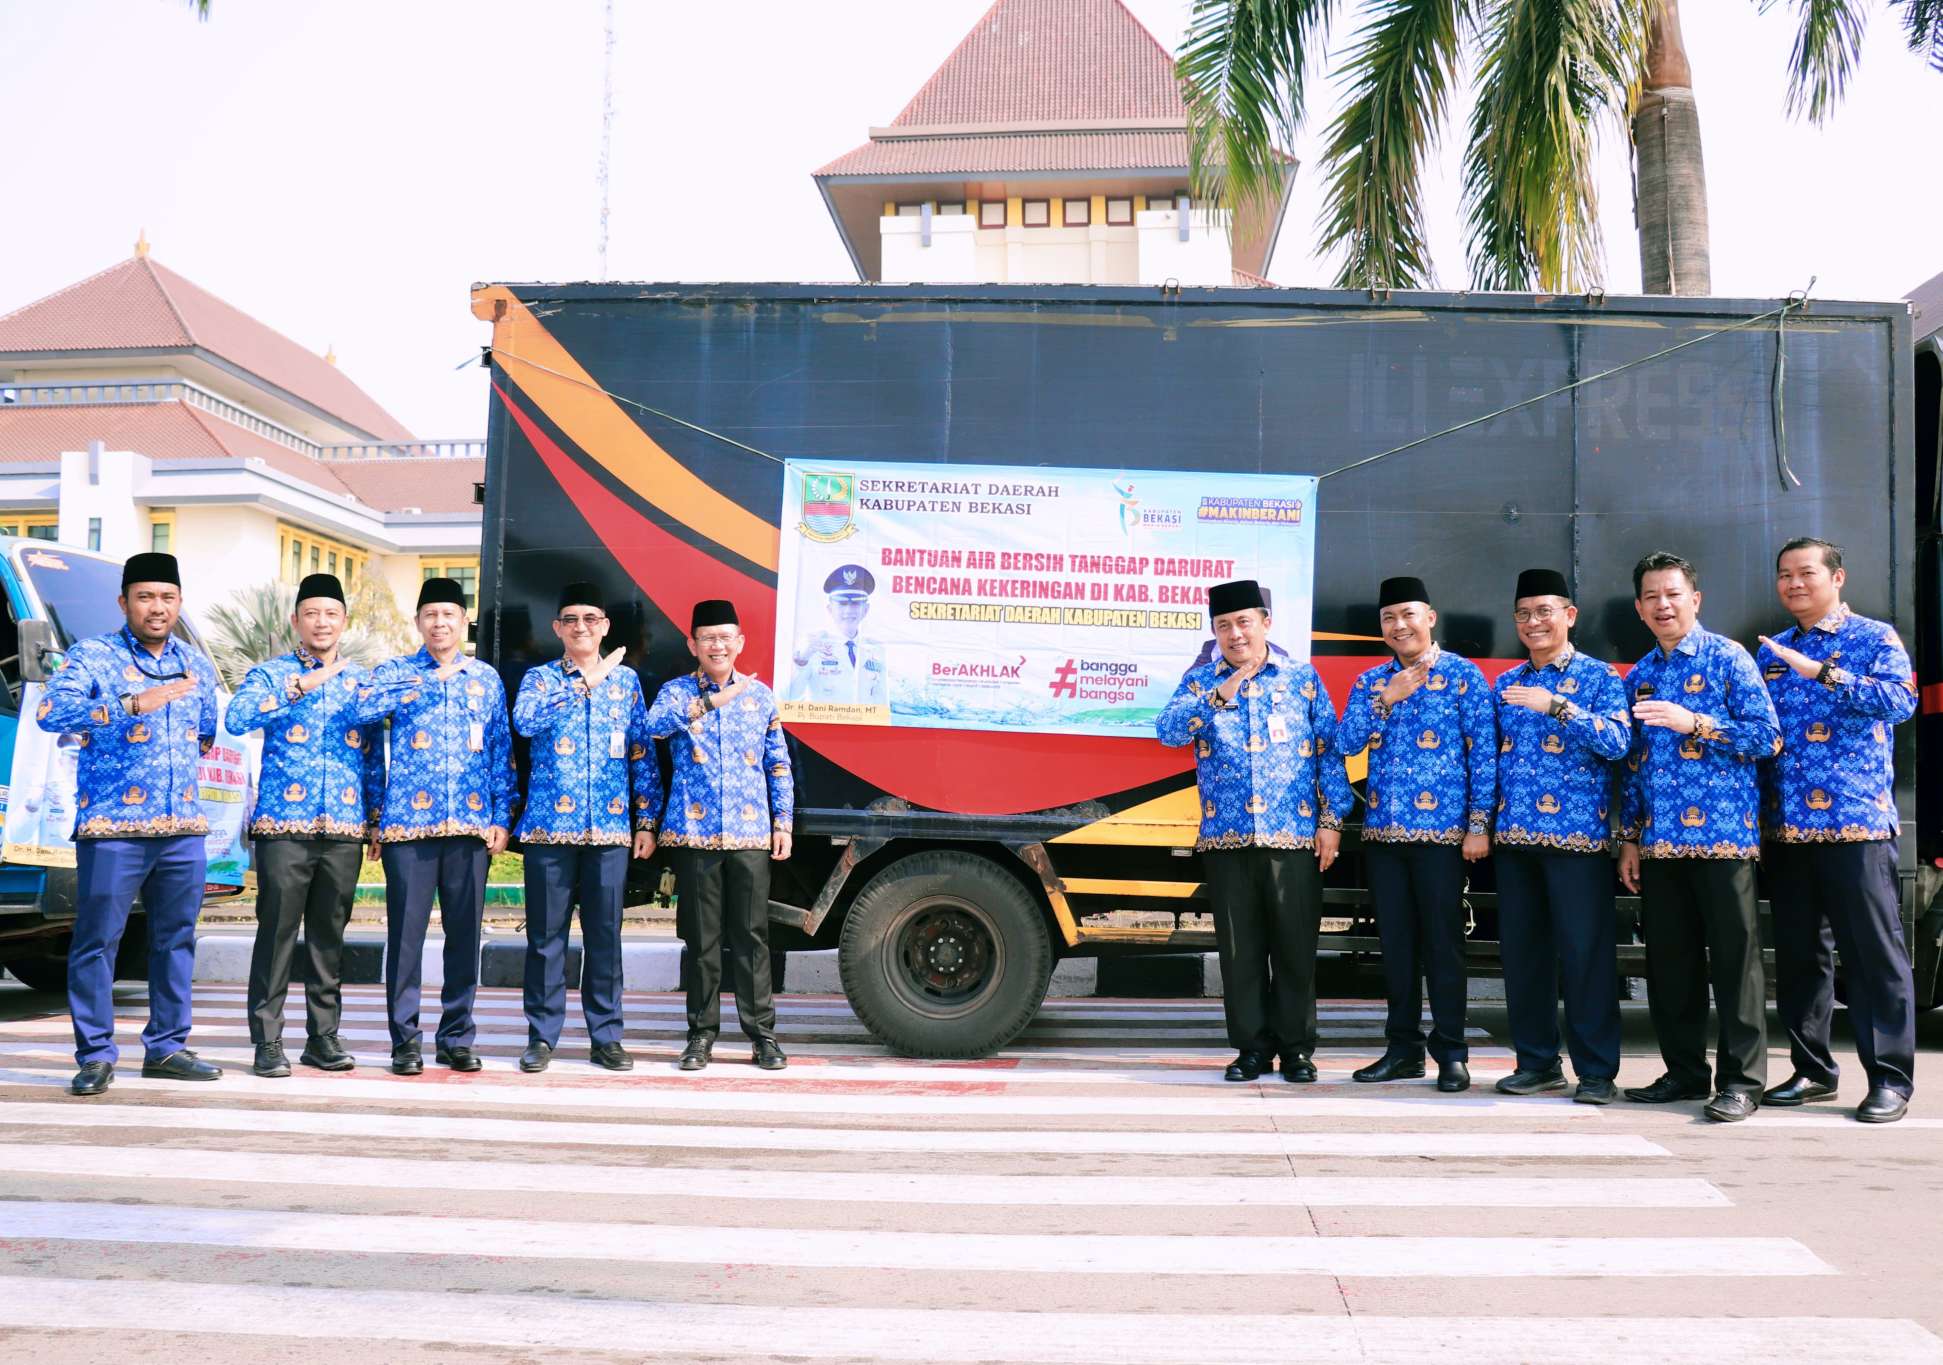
[829, 507]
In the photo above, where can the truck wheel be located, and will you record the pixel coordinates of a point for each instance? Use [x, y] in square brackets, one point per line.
[945, 955]
[41, 973]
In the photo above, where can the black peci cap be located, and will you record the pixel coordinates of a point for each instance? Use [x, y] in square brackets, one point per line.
[581, 595]
[435, 590]
[1542, 583]
[320, 585]
[1398, 590]
[714, 612]
[1242, 595]
[150, 567]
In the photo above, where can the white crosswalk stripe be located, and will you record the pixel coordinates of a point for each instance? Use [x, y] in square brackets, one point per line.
[818, 1213]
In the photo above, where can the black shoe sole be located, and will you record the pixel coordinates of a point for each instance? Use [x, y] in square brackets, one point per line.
[627, 1065]
[411, 1068]
[1606, 1098]
[1684, 1097]
[1240, 1077]
[465, 1068]
[1770, 1102]
[98, 1089]
[272, 1073]
[771, 1066]
[176, 1076]
[1299, 1078]
[1416, 1075]
[1445, 1087]
[341, 1064]
[1861, 1117]
[532, 1069]
[1524, 1093]
[1713, 1117]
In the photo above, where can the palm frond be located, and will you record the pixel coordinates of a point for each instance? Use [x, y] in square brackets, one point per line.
[1401, 66]
[1549, 69]
[1828, 41]
[1241, 68]
[254, 625]
[1923, 23]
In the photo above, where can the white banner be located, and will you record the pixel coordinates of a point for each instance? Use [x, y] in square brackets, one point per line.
[993, 597]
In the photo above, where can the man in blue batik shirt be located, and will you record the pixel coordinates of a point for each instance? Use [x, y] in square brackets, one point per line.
[1426, 721]
[316, 806]
[594, 789]
[1561, 726]
[143, 705]
[447, 809]
[1689, 822]
[731, 807]
[1840, 683]
[1273, 797]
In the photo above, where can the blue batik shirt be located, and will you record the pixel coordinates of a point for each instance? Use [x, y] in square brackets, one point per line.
[594, 779]
[137, 776]
[1555, 776]
[731, 787]
[451, 753]
[1433, 757]
[323, 771]
[1698, 795]
[1834, 780]
[1266, 763]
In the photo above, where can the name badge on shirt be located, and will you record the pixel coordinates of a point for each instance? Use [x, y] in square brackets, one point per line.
[476, 736]
[617, 744]
[1278, 729]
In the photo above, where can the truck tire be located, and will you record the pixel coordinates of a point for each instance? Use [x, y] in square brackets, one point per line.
[42, 972]
[945, 955]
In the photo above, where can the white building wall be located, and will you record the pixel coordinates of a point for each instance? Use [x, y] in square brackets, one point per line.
[402, 573]
[951, 257]
[99, 485]
[1204, 259]
[221, 549]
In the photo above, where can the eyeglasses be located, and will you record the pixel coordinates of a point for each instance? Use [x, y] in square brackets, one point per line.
[575, 622]
[1526, 615]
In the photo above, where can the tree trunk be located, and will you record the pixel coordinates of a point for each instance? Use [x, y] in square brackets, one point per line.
[1671, 198]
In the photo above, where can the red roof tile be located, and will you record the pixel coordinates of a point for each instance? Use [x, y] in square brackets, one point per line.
[1248, 279]
[165, 431]
[140, 304]
[1013, 153]
[1041, 60]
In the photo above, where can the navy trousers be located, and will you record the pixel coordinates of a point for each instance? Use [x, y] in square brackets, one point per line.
[1418, 890]
[168, 875]
[1698, 919]
[1829, 896]
[725, 891]
[557, 877]
[454, 870]
[1557, 929]
[1267, 905]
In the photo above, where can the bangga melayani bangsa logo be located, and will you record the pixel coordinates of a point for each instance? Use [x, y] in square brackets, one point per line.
[829, 504]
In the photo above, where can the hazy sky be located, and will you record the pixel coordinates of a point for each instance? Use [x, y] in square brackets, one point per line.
[344, 169]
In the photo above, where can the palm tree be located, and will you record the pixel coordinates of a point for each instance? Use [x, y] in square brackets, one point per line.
[1547, 73]
[254, 625]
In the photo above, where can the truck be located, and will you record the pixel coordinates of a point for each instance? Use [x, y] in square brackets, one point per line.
[52, 595]
[634, 438]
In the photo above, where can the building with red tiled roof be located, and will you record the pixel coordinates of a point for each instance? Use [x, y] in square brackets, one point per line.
[1049, 147]
[138, 411]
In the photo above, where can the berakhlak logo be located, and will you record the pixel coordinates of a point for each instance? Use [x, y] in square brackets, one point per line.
[1129, 507]
[829, 502]
[1065, 680]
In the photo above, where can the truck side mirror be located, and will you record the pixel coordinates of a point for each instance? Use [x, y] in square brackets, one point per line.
[37, 643]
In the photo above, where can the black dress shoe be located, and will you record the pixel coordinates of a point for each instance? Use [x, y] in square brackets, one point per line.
[407, 1060]
[612, 1056]
[1391, 1066]
[95, 1077]
[1532, 1082]
[1798, 1090]
[184, 1066]
[1730, 1106]
[1298, 1071]
[769, 1056]
[270, 1060]
[458, 1058]
[536, 1056]
[326, 1054]
[695, 1056]
[1595, 1090]
[1883, 1105]
[1665, 1091]
[1453, 1077]
[1248, 1065]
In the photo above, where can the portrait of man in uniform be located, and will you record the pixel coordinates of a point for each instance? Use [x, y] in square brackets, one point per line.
[842, 664]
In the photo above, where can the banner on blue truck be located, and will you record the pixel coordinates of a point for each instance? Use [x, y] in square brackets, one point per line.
[973, 597]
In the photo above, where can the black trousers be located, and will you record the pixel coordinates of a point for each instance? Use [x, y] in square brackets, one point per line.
[1418, 890]
[718, 890]
[1267, 906]
[1828, 896]
[1699, 921]
[307, 883]
[1557, 930]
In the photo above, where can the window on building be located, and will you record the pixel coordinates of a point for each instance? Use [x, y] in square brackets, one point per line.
[94, 533]
[1119, 212]
[951, 210]
[910, 210]
[1077, 212]
[37, 525]
[161, 531]
[1036, 212]
[463, 570]
[991, 213]
[301, 552]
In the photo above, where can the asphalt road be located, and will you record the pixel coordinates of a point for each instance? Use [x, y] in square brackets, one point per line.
[1094, 1194]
